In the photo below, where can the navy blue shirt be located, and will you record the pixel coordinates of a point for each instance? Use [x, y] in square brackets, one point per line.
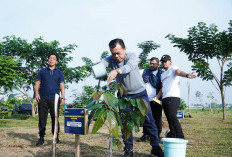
[49, 82]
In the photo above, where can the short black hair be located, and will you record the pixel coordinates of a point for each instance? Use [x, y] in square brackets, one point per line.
[154, 58]
[116, 41]
[54, 55]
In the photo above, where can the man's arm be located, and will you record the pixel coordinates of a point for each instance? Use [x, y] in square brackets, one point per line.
[191, 75]
[37, 85]
[62, 93]
[131, 63]
[159, 94]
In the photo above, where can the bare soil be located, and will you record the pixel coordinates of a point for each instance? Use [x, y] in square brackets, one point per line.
[21, 142]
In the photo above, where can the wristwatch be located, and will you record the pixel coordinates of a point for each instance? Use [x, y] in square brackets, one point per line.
[118, 71]
[187, 75]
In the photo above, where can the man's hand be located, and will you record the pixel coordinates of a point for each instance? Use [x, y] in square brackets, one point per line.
[37, 97]
[62, 102]
[191, 75]
[112, 75]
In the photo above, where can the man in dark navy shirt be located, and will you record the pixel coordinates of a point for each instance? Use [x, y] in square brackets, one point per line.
[49, 81]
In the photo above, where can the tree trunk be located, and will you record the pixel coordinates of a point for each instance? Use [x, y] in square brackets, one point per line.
[222, 91]
[110, 145]
[98, 86]
[32, 103]
[223, 104]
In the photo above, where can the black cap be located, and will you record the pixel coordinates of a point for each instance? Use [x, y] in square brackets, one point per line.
[165, 58]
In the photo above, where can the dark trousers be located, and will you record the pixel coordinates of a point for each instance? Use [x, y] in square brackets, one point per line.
[149, 124]
[170, 106]
[43, 107]
[157, 115]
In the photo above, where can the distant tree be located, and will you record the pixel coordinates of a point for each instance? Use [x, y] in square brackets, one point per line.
[205, 45]
[146, 47]
[31, 57]
[182, 105]
[199, 97]
[212, 100]
[83, 97]
[9, 73]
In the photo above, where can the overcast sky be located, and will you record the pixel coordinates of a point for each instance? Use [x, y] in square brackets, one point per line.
[91, 24]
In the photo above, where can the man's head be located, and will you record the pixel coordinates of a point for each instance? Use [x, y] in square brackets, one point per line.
[52, 59]
[117, 49]
[166, 61]
[154, 64]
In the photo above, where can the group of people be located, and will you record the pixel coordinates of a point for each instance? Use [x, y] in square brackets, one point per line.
[153, 84]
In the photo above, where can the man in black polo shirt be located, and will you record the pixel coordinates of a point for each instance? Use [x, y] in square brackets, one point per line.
[49, 81]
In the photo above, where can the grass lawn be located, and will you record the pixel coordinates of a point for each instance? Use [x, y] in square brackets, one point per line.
[207, 133]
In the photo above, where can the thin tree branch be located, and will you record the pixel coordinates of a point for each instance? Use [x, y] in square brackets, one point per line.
[215, 77]
[215, 86]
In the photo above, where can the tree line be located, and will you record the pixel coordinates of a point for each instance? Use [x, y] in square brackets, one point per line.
[20, 60]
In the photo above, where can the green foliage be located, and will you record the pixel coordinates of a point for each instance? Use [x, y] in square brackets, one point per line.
[108, 108]
[83, 98]
[31, 57]
[146, 47]
[182, 105]
[9, 103]
[202, 45]
[9, 73]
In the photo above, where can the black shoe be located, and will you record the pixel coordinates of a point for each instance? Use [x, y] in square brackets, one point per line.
[40, 141]
[157, 151]
[128, 153]
[144, 138]
[58, 141]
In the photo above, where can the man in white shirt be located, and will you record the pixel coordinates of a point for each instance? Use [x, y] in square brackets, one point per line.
[171, 94]
[152, 79]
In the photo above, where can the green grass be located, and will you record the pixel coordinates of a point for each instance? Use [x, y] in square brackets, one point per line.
[207, 133]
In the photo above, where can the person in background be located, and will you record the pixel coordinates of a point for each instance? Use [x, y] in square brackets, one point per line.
[170, 92]
[152, 79]
[125, 69]
[49, 81]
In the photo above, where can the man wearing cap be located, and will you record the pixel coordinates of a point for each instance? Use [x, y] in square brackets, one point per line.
[126, 71]
[170, 92]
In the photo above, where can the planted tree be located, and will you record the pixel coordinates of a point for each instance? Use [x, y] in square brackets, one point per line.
[204, 46]
[106, 111]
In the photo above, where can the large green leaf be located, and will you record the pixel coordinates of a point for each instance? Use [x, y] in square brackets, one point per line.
[110, 99]
[100, 121]
[126, 132]
[113, 124]
[112, 120]
[142, 118]
[136, 128]
[92, 103]
[145, 105]
[96, 106]
[141, 107]
[122, 103]
[133, 102]
[98, 112]
[135, 117]
[97, 95]
[118, 119]
[130, 125]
